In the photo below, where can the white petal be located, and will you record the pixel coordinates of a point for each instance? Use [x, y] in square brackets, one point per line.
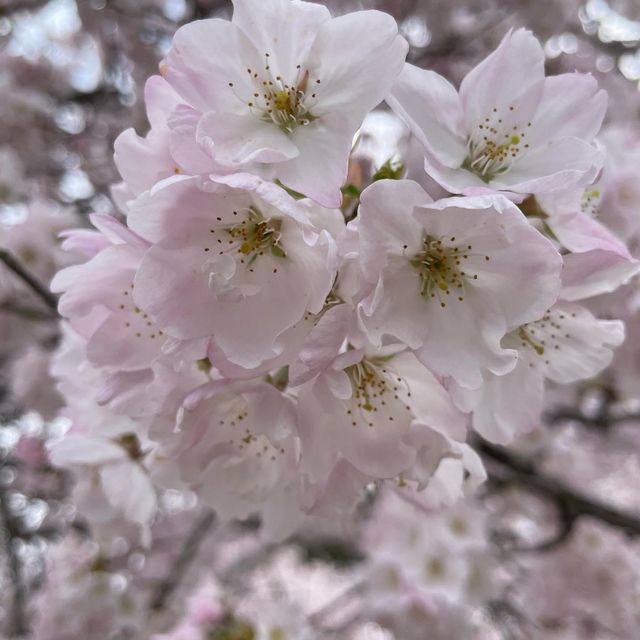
[129, 489]
[84, 449]
[431, 108]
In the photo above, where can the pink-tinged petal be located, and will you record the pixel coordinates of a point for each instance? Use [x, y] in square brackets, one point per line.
[458, 275]
[143, 161]
[431, 108]
[289, 342]
[578, 114]
[169, 210]
[589, 274]
[125, 340]
[431, 403]
[128, 489]
[459, 474]
[268, 192]
[339, 384]
[432, 447]
[516, 65]
[376, 450]
[516, 251]
[621, 193]
[161, 100]
[83, 241]
[606, 262]
[123, 392]
[457, 180]
[84, 449]
[121, 195]
[386, 226]
[580, 233]
[321, 168]
[322, 344]
[282, 28]
[188, 155]
[235, 139]
[93, 283]
[559, 164]
[226, 296]
[165, 288]
[206, 55]
[507, 406]
[245, 332]
[569, 343]
[399, 288]
[472, 329]
[339, 493]
[116, 232]
[356, 57]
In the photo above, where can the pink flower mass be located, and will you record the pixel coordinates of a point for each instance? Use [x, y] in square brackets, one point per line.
[333, 295]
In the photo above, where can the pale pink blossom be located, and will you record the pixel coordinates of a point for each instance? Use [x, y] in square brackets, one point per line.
[122, 340]
[379, 409]
[565, 345]
[169, 148]
[598, 261]
[236, 445]
[242, 263]
[286, 85]
[508, 128]
[452, 276]
[112, 469]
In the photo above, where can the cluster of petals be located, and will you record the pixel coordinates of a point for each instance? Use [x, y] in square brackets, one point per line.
[258, 345]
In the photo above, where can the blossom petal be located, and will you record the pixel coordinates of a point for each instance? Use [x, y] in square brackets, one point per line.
[431, 108]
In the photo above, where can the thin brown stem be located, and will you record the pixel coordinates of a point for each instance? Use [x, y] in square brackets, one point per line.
[13, 264]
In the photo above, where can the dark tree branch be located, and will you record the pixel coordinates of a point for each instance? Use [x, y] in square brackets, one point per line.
[28, 313]
[190, 549]
[12, 6]
[17, 624]
[598, 421]
[513, 469]
[13, 264]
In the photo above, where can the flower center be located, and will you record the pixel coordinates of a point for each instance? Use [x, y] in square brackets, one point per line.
[252, 237]
[287, 105]
[544, 337]
[375, 390]
[528, 340]
[256, 235]
[235, 419]
[590, 202]
[494, 144]
[439, 268]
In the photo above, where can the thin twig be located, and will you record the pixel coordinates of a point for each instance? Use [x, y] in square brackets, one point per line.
[28, 278]
[190, 549]
[515, 469]
[600, 421]
[27, 313]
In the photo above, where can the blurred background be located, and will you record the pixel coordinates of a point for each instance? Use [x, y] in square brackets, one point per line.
[71, 79]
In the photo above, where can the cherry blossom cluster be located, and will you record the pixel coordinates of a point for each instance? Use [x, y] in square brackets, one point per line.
[274, 330]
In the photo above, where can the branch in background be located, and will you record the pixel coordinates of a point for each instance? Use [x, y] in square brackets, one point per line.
[28, 313]
[28, 278]
[17, 621]
[509, 468]
[179, 568]
[13, 6]
[598, 421]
